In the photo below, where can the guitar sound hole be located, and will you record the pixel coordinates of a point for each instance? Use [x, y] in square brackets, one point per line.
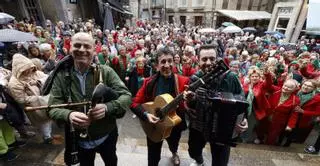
[159, 114]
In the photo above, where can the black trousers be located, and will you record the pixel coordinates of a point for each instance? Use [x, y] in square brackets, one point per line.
[154, 148]
[219, 153]
[107, 151]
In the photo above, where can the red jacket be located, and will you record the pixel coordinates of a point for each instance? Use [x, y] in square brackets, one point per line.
[260, 89]
[188, 71]
[311, 109]
[284, 109]
[147, 92]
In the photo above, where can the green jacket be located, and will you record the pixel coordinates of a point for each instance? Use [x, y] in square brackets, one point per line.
[115, 109]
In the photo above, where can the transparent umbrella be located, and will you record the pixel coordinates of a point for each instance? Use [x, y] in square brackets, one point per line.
[11, 35]
[5, 18]
[207, 30]
[232, 29]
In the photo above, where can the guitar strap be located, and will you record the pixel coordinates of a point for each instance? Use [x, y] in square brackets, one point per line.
[176, 82]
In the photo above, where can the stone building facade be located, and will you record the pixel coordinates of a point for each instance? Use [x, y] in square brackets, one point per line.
[55, 10]
[201, 12]
[289, 17]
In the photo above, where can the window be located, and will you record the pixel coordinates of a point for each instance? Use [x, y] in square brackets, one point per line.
[282, 24]
[182, 3]
[197, 20]
[197, 3]
[157, 3]
[183, 20]
[225, 4]
[170, 19]
[73, 1]
[31, 6]
[153, 12]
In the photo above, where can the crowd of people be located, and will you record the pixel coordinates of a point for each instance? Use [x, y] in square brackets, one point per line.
[281, 83]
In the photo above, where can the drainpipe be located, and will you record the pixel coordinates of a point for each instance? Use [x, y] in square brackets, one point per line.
[214, 17]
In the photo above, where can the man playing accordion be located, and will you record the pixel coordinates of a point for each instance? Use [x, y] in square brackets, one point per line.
[202, 128]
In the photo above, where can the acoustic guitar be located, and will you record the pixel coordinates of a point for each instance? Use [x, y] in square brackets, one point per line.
[164, 107]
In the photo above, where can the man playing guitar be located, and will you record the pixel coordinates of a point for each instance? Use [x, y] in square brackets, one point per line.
[165, 81]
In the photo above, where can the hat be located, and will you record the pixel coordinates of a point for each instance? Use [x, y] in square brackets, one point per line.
[294, 63]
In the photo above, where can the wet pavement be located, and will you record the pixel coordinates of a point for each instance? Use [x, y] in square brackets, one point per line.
[132, 151]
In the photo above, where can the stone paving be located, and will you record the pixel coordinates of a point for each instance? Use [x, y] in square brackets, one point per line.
[132, 151]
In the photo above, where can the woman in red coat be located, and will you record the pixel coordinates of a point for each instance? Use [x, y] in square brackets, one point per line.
[308, 109]
[255, 91]
[282, 101]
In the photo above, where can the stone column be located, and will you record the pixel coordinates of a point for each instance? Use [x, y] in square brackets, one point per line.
[293, 20]
[302, 18]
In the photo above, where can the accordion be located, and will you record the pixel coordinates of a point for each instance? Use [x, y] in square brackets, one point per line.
[227, 111]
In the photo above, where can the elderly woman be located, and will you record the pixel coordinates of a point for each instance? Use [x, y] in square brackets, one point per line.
[282, 101]
[48, 57]
[255, 89]
[24, 86]
[308, 109]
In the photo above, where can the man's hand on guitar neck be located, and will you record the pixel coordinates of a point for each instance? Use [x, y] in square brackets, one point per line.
[151, 118]
[188, 95]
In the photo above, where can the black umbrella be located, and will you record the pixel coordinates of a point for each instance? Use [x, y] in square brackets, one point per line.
[249, 29]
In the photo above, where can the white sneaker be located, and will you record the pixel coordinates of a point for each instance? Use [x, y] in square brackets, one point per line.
[196, 164]
[256, 141]
[134, 116]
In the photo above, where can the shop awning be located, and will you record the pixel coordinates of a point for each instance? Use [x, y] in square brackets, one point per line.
[241, 15]
[313, 24]
[115, 5]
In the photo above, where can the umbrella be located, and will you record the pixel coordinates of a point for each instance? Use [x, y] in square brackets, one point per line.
[108, 19]
[226, 24]
[207, 30]
[5, 18]
[275, 34]
[249, 29]
[11, 35]
[232, 29]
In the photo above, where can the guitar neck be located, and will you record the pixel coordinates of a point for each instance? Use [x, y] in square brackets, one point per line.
[166, 109]
[217, 71]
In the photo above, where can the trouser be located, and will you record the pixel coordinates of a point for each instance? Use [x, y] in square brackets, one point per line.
[317, 144]
[154, 148]
[249, 134]
[46, 129]
[6, 136]
[219, 153]
[107, 151]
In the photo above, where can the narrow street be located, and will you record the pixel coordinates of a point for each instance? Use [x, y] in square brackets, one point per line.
[132, 151]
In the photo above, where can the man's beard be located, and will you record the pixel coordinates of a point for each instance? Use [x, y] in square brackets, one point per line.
[206, 68]
[82, 63]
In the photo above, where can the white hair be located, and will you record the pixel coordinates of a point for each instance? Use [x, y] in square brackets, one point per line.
[44, 47]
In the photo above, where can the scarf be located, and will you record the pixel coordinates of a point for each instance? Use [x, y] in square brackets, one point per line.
[283, 98]
[250, 98]
[305, 97]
